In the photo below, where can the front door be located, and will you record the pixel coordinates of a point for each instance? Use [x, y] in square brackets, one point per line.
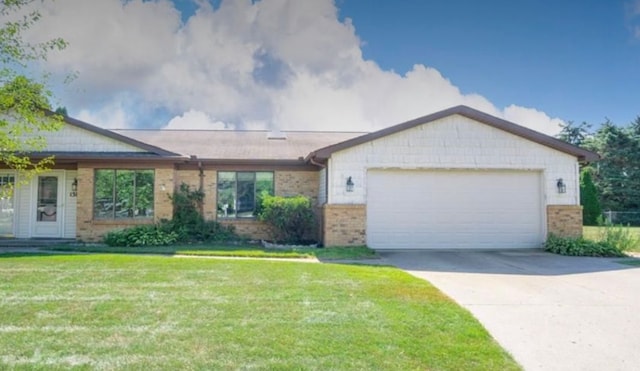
[47, 209]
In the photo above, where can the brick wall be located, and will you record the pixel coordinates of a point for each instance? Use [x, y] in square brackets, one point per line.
[344, 225]
[249, 228]
[293, 183]
[564, 220]
[90, 230]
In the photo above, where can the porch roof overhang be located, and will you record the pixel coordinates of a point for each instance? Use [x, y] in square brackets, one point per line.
[66, 157]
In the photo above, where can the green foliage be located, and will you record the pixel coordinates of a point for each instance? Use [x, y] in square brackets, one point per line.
[574, 133]
[617, 174]
[189, 224]
[142, 235]
[612, 240]
[580, 247]
[618, 236]
[291, 218]
[24, 100]
[591, 210]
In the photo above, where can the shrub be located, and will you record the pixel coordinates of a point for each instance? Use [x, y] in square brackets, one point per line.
[189, 224]
[580, 247]
[142, 235]
[291, 218]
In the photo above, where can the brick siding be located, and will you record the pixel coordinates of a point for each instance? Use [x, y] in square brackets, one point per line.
[564, 220]
[344, 225]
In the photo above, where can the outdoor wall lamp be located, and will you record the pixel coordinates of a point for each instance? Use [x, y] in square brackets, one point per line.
[74, 185]
[349, 184]
[562, 188]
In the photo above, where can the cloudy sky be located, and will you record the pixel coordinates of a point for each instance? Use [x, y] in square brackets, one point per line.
[343, 64]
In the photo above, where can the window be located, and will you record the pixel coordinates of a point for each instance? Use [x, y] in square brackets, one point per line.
[123, 194]
[239, 193]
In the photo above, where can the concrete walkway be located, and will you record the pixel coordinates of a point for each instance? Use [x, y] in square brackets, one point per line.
[550, 312]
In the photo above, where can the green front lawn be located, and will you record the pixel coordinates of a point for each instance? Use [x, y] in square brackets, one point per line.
[244, 251]
[595, 233]
[153, 312]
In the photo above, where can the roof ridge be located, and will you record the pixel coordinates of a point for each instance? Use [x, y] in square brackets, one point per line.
[244, 131]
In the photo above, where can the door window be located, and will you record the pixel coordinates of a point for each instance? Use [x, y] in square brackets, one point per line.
[47, 208]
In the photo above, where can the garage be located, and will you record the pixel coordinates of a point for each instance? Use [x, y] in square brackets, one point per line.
[441, 209]
[454, 179]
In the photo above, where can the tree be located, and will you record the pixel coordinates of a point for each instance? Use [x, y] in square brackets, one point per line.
[591, 210]
[617, 174]
[25, 109]
[574, 134]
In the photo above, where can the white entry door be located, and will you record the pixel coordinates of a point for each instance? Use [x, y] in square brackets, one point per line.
[46, 205]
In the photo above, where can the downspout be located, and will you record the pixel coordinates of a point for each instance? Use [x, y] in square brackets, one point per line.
[317, 163]
[201, 189]
[326, 196]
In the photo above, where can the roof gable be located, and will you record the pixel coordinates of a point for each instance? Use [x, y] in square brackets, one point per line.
[478, 116]
[79, 136]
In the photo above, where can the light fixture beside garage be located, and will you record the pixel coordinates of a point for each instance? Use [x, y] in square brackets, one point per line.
[562, 188]
[350, 184]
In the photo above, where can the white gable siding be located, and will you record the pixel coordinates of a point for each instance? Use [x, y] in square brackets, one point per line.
[453, 142]
[73, 139]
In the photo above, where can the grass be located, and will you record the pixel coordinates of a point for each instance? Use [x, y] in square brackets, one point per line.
[595, 233]
[247, 251]
[155, 312]
[632, 262]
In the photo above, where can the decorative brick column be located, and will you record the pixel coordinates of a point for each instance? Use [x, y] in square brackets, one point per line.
[564, 220]
[344, 225]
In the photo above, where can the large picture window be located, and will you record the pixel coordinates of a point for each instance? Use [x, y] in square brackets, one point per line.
[239, 192]
[123, 194]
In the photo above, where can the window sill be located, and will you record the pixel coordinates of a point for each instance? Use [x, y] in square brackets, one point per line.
[238, 220]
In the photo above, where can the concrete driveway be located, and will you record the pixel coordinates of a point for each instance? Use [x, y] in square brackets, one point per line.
[550, 312]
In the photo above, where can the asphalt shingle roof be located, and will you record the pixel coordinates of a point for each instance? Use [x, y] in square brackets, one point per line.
[238, 145]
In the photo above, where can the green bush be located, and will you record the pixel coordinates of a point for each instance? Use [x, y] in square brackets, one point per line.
[142, 235]
[580, 247]
[188, 223]
[291, 218]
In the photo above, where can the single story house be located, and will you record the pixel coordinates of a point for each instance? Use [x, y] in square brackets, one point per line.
[458, 178]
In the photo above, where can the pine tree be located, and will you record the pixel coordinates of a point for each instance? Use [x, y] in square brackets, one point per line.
[591, 210]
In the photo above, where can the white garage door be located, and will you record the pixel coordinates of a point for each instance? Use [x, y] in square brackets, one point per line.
[453, 209]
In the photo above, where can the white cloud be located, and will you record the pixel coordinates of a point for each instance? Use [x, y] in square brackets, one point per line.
[533, 118]
[632, 10]
[195, 120]
[110, 116]
[274, 63]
